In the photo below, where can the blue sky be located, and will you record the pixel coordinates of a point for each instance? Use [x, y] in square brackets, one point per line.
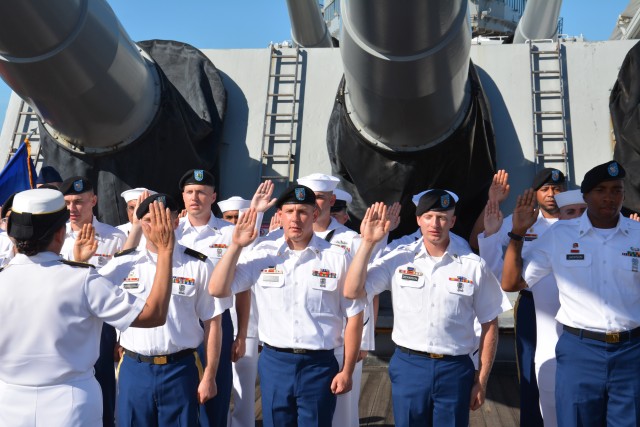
[231, 24]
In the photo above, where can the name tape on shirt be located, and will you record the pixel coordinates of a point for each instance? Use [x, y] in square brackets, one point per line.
[410, 273]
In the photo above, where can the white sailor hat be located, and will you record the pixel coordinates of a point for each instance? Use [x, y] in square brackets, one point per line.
[134, 193]
[567, 198]
[36, 214]
[342, 195]
[415, 199]
[319, 182]
[234, 203]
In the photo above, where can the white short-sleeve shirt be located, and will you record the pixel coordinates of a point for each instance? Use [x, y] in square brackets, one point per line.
[190, 300]
[6, 248]
[53, 315]
[597, 275]
[110, 241]
[213, 240]
[435, 301]
[299, 293]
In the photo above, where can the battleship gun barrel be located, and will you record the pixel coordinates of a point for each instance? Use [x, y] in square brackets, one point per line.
[406, 70]
[72, 61]
[539, 21]
[307, 26]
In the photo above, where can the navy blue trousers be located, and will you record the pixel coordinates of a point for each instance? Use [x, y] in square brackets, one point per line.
[431, 392]
[597, 383]
[105, 374]
[296, 388]
[525, 330]
[158, 395]
[214, 412]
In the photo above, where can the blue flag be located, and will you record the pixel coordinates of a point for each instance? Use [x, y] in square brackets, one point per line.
[18, 174]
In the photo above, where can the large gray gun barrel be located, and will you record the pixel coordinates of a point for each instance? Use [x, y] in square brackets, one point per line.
[539, 21]
[307, 26]
[406, 69]
[103, 93]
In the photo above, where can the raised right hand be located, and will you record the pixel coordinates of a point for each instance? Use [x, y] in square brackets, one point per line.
[525, 213]
[375, 224]
[160, 227]
[244, 233]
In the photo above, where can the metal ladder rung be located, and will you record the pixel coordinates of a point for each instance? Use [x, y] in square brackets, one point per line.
[547, 92]
[549, 133]
[545, 71]
[544, 52]
[276, 156]
[275, 95]
[278, 135]
[279, 115]
[553, 113]
[27, 113]
[275, 177]
[282, 75]
[275, 56]
[26, 133]
[561, 156]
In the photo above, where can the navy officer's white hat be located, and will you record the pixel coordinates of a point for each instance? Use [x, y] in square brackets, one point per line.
[567, 198]
[36, 214]
[234, 203]
[319, 182]
[134, 193]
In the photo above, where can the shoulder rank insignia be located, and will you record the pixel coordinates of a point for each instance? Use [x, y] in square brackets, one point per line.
[195, 254]
[125, 252]
[76, 264]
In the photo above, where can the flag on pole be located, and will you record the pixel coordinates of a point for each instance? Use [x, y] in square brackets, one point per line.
[19, 174]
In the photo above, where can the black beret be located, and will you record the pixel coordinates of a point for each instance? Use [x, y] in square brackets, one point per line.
[47, 175]
[165, 199]
[547, 176]
[297, 194]
[76, 185]
[197, 176]
[436, 200]
[610, 171]
[339, 205]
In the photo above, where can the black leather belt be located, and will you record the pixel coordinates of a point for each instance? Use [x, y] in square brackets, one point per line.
[296, 350]
[160, 360]
[428, 355]
[608, 337]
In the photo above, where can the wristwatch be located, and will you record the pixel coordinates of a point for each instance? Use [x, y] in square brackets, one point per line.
[516, 237]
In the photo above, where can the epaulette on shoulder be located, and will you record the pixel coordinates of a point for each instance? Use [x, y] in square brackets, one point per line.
[125, 252]
[77, 264]
[195, 254]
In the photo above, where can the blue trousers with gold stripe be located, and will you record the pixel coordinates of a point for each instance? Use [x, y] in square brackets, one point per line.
[526, 340]
[597, 383]
[296, 388]
[431, 392]
[215, 411]
[157, 395]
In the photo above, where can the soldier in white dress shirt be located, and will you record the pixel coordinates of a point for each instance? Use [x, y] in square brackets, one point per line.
[244, 352]
[594, 260]
[438, 288]
[298, 282]
[46, 367]
[159, 374]
[328, 228]
[80, 199]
